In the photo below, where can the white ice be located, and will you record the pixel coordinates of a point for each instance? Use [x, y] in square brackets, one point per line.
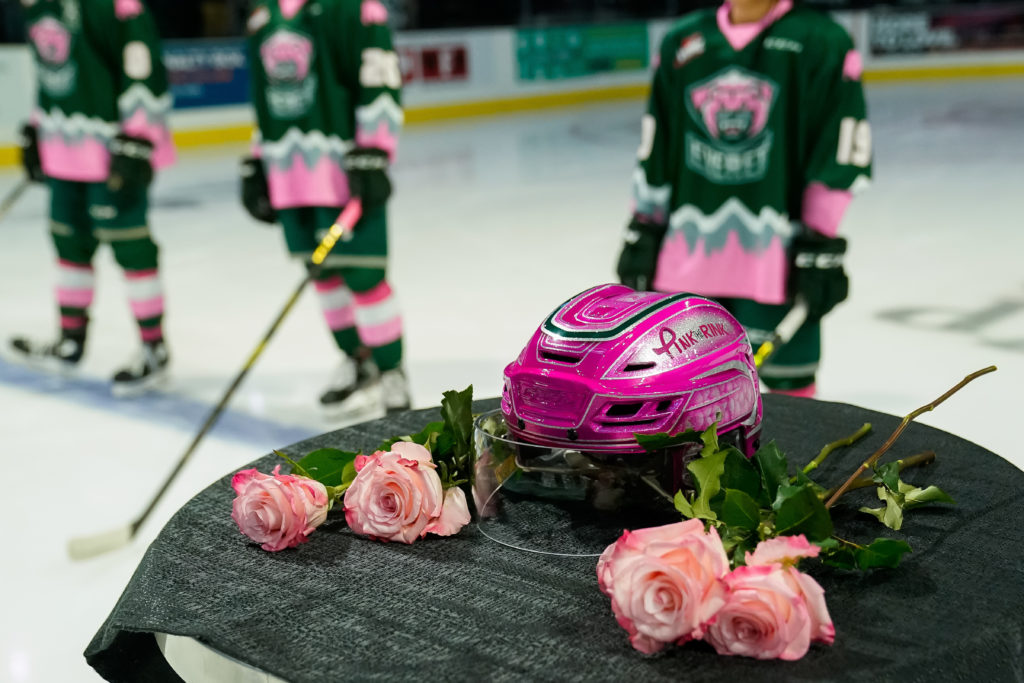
[495, 221]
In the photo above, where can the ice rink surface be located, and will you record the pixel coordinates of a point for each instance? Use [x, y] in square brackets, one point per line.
[495, 222]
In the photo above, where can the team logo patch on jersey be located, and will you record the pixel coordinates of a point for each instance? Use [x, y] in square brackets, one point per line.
[732, 108]
[691, 48]
[287, 58]
[52, 42]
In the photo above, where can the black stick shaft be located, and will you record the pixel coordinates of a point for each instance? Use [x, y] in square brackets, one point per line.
[345, 223]
[215, 414]
[13, 196]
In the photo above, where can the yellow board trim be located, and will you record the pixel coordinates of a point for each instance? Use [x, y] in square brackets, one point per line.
[955, 71]
[507, 105]
[10, 155]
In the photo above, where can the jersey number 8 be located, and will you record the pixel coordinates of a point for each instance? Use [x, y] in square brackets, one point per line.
[854, 143]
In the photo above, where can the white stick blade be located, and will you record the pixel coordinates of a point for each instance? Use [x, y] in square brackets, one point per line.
[84, 547]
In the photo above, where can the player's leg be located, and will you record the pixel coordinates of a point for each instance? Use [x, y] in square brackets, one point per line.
[75, 247]
[301, 226]
[363, 263]
[793, 368]
[122, 223]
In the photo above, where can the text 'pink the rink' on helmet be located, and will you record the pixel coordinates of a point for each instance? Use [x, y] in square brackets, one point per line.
[612, 362]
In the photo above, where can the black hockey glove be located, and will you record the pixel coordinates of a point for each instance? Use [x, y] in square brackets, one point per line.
[131, 166]
[639, 258]
[817, 272]
[367, 171]
[255, 192]
[29, 141]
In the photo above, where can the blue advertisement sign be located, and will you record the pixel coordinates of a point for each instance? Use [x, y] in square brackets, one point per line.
[207, 73]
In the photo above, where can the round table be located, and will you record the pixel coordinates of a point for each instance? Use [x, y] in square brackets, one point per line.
[465, 608]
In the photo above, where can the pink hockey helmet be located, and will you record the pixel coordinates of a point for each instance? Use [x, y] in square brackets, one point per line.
[612, 362]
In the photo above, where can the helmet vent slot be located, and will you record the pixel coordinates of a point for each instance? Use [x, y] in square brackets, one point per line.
[635, 423]
[663, 406]
[560, 357]
[637, 367]
[624, 409]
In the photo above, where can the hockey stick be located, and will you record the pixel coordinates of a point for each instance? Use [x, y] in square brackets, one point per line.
[84, 547]
[13, 196]
[783, 332]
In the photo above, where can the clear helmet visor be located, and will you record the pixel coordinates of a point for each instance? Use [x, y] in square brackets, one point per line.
[568, 502]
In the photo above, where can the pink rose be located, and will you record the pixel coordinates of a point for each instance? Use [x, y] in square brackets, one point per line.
[395, 495]
[784, 550]
[772, 612]
[664, 582]
[278, 511]
[454, 514]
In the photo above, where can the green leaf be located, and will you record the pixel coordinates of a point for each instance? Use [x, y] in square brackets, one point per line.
[836, 554]
[883, 552]
[296, 467]
[741, 474]
[327, 465]
[736, 543]
[348, 474]
[774, 469]
[799, 510]
[916, 497]
[684, 506]
[707, 474]
[740, 510]
[801, 479]
[425, 437]
[457, 413]
[710, 439]
[892, 514]
[906, 497]
[657, 442]
[888, 475]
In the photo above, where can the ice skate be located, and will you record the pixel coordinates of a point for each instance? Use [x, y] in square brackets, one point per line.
[147, 371]
[61, 356]
[353, 391]
[394, 390]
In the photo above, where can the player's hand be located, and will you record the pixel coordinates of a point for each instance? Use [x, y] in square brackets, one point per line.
[131, 166]
[817, 272]
[255, 191]
[29, 142]
[639, 258]
[367, 171]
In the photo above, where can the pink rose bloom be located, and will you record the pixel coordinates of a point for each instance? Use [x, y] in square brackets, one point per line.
[664, 582]
[280, 510]
[784, 550]
[395, 495]
[454, 514]
[772, 612]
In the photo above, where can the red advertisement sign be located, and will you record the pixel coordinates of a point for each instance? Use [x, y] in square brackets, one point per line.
[434, 63]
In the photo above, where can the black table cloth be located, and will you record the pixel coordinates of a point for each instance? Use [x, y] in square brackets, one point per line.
[465, 608]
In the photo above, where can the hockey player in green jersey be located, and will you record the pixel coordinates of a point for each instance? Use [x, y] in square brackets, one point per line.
[754, 140]
[326, 89]
[97, 133]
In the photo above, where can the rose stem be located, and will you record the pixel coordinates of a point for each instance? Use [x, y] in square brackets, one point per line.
[841, 443]
[925, 458]
[899, 430]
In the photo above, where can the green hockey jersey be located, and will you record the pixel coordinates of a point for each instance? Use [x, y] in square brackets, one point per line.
[100, 72]
[325, 77]
[751, 131]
